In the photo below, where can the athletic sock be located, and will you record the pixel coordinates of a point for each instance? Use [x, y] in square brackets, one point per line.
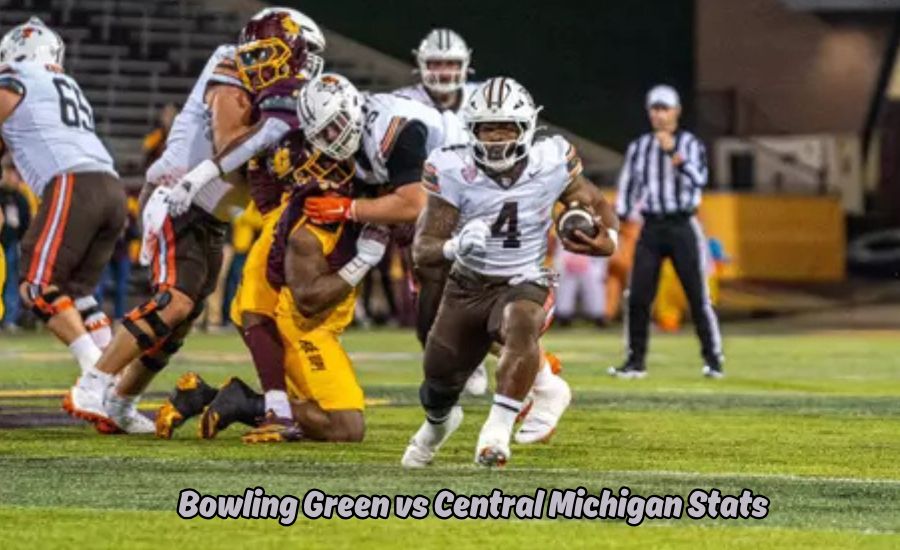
[432, 431]
[544, 378]
[94, 380]
[85, 351]
[504, 412]
[277, 402]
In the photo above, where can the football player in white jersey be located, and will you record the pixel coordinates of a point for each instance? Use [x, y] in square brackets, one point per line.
[48, 125]
[489, 211]
[443, 65]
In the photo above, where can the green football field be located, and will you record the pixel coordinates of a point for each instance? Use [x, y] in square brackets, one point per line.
[810, 420]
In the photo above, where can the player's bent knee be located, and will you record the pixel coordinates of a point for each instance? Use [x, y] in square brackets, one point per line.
[162, 314]
[44, 301]
[347, 427]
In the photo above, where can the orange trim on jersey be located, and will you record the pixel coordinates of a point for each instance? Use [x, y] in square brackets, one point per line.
[390, 136]
[45, 252]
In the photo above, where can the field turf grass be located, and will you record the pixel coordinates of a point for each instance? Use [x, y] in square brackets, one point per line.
[811, 420]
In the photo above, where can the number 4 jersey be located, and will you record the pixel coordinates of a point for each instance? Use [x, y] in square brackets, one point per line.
[51, 131]
[519, 212]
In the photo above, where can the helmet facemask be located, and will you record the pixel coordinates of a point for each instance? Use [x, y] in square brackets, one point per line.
[338, 136]
[501, 155]
[331, 175]
[442, 79]
[262, 63]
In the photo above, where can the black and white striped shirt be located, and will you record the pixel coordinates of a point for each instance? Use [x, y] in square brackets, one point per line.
[649, 181]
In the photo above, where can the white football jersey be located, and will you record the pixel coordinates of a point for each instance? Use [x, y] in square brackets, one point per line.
[51, 131]
[519, 213]
[190, 139]
[386, 115]
[418, 92]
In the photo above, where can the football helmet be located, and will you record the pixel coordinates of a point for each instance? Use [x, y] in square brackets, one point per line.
[330, 110]
[443, 45]
[315, 39]
[32, 41]
[271, 47]
[501, 100]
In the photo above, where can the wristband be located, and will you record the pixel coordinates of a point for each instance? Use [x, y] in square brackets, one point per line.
[206, 171]
[351, 214]
[354, 271]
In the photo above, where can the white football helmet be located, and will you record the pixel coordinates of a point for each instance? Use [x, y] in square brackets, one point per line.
[443, 45]
[501, 99]
[315, 38]
[330, 110]
[32, 41]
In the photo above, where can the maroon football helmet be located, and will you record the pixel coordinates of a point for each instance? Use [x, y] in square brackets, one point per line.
[271, 48]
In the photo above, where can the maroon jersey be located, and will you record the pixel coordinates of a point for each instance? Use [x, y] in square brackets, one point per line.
[267, 183]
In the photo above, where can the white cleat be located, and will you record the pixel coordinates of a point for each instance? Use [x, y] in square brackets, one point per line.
[477, 384]
[493, 448]
[124, 414]
[426, 442]
[86, 404]
[547, 408]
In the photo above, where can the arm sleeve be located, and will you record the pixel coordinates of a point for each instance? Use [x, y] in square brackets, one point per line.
[627, 184]
[694, 164]
[406, 155]
[266, 135]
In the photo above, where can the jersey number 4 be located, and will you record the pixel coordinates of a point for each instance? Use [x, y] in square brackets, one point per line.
[507, 225]
[74, 111]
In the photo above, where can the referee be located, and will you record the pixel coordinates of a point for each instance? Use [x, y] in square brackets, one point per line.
[663, 176]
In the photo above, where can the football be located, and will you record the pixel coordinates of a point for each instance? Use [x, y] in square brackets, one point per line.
[576, 218]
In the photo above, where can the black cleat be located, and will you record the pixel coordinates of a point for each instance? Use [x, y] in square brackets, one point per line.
[191, 395]
[631, 369]
[235, 402]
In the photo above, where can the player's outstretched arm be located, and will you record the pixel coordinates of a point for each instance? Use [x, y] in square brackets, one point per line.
[230, 109]
[434, 231]
[402, 205]
[583, 192]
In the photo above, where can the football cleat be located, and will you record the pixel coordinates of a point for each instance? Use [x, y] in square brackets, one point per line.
[88, 405]
[713, 371]
[477, 384]
[124, 414]
[274, 429]
[492, 449]
[630, 370]
[547, 407]
[235, 402]
[426, 442]
[192, 394]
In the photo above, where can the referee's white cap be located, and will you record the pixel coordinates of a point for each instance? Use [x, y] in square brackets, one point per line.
[663, 95]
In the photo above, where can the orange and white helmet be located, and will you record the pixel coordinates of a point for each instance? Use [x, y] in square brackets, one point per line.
[501, 100]
[32, 41]
[443, 45]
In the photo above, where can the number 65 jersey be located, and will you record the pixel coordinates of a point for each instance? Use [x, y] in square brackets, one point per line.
[51, 131]
[519, 212]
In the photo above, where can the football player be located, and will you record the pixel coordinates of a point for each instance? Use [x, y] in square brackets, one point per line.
[489, 211]
[271, 56]
[316, 269]
[48, 126]
[443, 65]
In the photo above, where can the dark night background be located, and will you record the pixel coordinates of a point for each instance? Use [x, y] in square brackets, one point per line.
[571, 56]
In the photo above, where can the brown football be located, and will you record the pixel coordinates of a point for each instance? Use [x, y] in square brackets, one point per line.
[575, 218]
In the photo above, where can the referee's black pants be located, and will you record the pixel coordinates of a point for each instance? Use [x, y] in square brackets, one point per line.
[680, 238]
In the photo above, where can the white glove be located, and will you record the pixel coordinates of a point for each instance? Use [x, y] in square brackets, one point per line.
[471, 239]
[370, 248]
[372, 243]
[153, 218]
[189, 185]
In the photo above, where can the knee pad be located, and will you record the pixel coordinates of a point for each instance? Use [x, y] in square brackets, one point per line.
[47, 303]
[156, 360]
[149, 313]
[437, 399]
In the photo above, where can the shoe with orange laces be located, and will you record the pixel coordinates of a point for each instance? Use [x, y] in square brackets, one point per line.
[192, 394]
[274, 429]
